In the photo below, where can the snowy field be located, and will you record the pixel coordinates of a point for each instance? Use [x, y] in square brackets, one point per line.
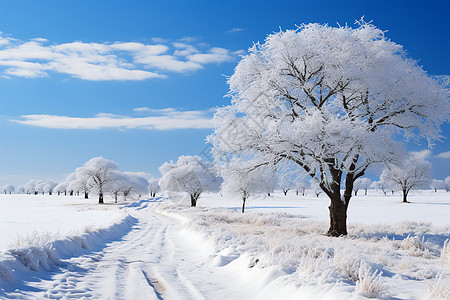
[163, 249]
[30, 218]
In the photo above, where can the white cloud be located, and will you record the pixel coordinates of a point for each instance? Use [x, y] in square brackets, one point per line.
[235, 29]
[424, 154]
[159, 40]
[104, 61]
[168, 63]
[187, 39]
[215, 55]
[443, 155]
[165, 119]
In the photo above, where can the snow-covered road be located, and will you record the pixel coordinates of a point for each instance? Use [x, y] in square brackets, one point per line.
[157, 259]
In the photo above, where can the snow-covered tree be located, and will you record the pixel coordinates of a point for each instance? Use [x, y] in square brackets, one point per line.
[134, 184]
[315, 187]
[361, 184]
[119, 184]
[153, 187]
[80, 182]
[99, 174]
[238, 179]
[323, 98]
[20, 190]
[300, 186]
[34, 186]
[61, 188]
[447, 183]
[8, 188]
[284, 178]
[66, 185]
[48, 187]
[407, 175]
[189, 174]
[437, 184]
[379, 185]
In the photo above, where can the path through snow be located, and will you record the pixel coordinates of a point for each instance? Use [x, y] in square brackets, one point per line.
[157, 259]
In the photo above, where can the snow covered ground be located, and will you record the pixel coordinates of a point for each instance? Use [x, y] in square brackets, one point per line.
[163, 249]
[30, 218]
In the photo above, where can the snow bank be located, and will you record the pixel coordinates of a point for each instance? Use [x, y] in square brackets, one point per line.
[17, 264]
[289, 257]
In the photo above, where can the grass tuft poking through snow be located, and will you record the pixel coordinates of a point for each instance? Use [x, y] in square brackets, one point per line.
[370, 284]
[439, 288]
[445, 252]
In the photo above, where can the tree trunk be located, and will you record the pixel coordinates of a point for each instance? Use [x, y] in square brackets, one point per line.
[193, 201]
[365, 192]
[303, 193]
[296, 193]
[50, 193]
[71, 193]
[115, 197]
[405, 195]
[243, 204]
[100, 198]
[356, 192]
[338, 217]
[285, 192]
[86, 195]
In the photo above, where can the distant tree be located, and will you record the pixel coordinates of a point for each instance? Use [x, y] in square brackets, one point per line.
[134, 184]
[300, 185]
[447, 183]
[20, 189]
[119, 184]
[99, 174]
[60, 188]
[244, 181]
[8, 188]
[49, 186]
[379, 185]
[80, 182]
[407, 175]
[437, 184]
[189, 174]
[33, 186]
[323, 98]
[361, 183]
[284, 177]
[153, 187]
[315, 187]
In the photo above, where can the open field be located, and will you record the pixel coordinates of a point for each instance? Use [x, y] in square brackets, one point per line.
[163, 249]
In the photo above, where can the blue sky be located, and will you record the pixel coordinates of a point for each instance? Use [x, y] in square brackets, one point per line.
[138, 79]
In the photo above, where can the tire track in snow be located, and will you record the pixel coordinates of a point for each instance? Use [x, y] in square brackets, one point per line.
[155, 260]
